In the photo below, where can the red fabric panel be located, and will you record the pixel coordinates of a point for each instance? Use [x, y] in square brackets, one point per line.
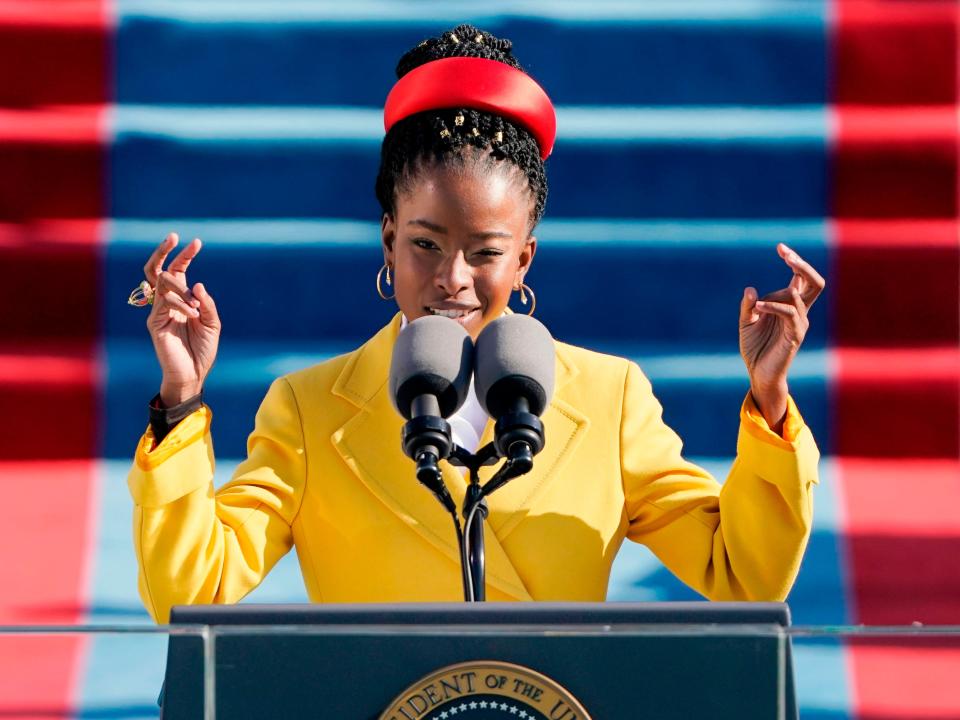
[895, 283]
[896, 52]
[58, 280]
[53, 52]
[903, 533]
[904, 539]
[897, 403]
[911, 681]
[54, 163]
[896, 163]
[44, 527]
[49, 399]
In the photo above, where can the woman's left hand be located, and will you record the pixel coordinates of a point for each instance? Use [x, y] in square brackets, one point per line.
[772, 330]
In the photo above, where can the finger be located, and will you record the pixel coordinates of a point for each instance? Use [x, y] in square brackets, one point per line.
[154, 265]
[805, 277]
[206, 305]
[168, 282]
[784, 310]
[173, 300]
[748, 314]
[182, 261]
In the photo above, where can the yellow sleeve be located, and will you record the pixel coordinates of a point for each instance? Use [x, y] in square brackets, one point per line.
[743, 540]
[196, 546]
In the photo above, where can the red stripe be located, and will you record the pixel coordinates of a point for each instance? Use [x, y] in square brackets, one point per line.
[57, 283]
[55, 56]
[897, 320]
[43, 557]
[904, 538]
[896, 163]
[896, 53]
[894, 283]
[59, 50]
[910, 682]
[54, 163]
[897, 403]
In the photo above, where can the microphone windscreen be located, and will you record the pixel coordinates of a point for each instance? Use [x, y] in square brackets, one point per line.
[514, 357]
[433, 355]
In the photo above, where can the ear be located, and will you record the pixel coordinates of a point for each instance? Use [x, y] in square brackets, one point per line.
[388, 234]
[525, 260]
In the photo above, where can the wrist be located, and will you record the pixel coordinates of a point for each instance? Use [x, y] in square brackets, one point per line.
[172, 395]
[771, 401]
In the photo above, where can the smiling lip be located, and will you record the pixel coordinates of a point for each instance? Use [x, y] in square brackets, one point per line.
[452, 312]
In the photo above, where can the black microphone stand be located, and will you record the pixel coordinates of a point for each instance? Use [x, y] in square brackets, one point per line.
[426, 439]
[475, 509]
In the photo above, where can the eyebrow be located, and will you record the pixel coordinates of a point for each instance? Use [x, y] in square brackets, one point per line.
[439, 229]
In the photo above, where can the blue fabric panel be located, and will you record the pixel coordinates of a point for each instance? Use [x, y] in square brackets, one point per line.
[154, 176]
[602, 293]
[778, 59]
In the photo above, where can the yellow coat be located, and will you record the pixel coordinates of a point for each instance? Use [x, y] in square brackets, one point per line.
[325, 472]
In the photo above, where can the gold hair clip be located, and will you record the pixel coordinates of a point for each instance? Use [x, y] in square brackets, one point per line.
[454, 38]
[475, 132]
[444, 133]
[458, 120]
[479, 38]
[499, 136]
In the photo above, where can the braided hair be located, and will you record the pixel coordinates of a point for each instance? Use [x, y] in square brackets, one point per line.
[447, 136]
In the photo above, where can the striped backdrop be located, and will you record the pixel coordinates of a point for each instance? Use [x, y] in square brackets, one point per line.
[693, 136]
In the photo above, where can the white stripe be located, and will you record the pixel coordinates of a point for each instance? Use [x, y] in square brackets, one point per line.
[593, 232]
[233, 124]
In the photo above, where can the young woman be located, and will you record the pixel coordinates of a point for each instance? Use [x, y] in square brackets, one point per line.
[462, 187]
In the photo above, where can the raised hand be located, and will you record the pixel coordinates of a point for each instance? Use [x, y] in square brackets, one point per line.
[772, 330]
[183, 323]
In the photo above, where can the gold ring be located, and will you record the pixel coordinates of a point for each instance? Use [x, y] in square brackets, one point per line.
[142, 295]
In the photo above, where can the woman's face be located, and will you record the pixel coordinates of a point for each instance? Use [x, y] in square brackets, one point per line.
[459, 243]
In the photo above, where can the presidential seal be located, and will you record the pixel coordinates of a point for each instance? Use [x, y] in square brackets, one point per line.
[485, 690]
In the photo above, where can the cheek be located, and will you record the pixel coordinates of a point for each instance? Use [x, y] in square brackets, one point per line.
[496, 283]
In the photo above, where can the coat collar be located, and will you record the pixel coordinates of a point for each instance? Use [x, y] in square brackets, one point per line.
[369, 443]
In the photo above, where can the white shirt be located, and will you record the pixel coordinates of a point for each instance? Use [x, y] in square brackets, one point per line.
[467, 423]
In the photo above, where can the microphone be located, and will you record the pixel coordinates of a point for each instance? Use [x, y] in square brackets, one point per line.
[429, 381]
[514, 376]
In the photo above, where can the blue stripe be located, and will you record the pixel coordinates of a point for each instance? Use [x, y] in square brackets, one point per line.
[659, 54]
[153, 176]
[627, 288]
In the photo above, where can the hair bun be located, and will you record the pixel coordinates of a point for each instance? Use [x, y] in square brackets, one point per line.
[464, 40]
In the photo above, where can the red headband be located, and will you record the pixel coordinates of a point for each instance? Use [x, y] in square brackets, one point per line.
[474, 83]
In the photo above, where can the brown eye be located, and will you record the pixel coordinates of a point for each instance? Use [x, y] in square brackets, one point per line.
[424, 243]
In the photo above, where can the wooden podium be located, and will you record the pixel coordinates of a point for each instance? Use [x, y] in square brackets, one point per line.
[500, 661]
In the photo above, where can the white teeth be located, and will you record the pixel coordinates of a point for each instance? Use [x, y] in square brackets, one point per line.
[450, 313]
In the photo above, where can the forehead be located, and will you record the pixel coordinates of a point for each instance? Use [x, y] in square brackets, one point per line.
[466, 193]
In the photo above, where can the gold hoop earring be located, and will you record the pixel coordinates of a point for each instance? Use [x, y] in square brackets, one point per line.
[380, 291]
[524, 289]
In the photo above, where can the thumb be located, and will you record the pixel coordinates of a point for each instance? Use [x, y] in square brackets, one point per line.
[207, 308]
[747, 305]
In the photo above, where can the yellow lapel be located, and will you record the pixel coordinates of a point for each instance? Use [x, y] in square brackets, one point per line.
[564, 427]
[369, 443]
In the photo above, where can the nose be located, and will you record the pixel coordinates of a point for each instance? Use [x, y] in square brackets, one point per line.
[453, 275]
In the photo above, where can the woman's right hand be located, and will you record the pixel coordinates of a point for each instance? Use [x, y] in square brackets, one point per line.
[183, 323]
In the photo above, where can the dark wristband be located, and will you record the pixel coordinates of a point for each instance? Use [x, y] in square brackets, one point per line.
[163, 420]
